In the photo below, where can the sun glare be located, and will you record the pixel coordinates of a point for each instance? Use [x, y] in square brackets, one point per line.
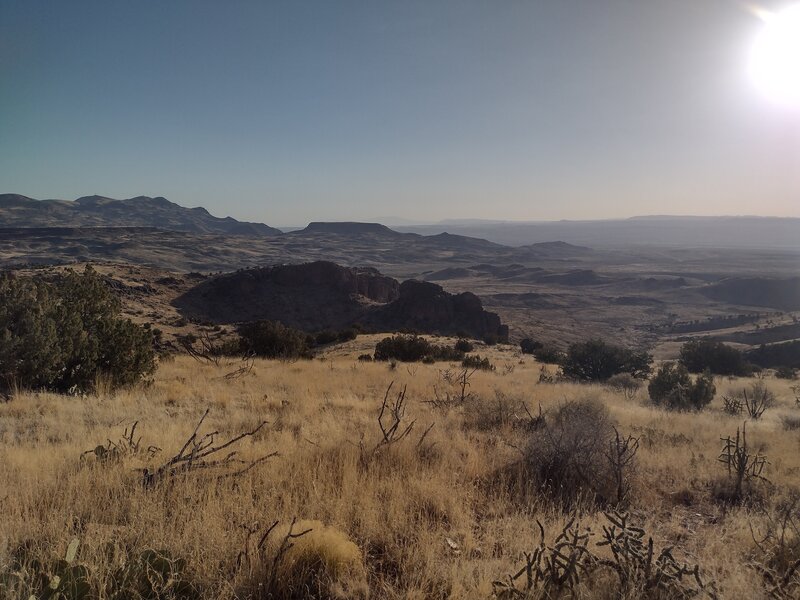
[775, 56]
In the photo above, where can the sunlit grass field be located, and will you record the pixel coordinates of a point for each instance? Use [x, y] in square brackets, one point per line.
[436, 514]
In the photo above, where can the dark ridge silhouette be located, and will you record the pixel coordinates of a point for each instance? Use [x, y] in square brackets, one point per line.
[782, 294]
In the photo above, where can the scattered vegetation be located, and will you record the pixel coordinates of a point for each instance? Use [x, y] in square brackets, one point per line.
[431, 487]
[754, 403]
[569, 566]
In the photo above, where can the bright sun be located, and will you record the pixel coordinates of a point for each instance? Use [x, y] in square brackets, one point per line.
[775, 57]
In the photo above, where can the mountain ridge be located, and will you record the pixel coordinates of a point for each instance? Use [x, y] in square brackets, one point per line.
[17, 210]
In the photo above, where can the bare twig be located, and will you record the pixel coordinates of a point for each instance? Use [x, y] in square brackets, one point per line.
[197, 453]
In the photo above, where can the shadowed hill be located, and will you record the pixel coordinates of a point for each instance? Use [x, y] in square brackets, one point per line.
[783, 294]
[323, 295]
[142, 211]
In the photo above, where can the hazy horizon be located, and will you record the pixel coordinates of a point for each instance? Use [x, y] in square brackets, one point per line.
[286, 113]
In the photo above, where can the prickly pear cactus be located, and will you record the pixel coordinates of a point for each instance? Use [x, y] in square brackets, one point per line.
[152, 575]
[62, 580]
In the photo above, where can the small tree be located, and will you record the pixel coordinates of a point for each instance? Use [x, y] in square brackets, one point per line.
[413, 348]
[464, 345]
[673, 388]
[701, 355]
[270, 339]
[529, 346]
[549, 354]
[65, 335]
[595, 360]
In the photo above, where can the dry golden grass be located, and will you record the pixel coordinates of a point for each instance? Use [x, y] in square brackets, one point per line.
[399, 508]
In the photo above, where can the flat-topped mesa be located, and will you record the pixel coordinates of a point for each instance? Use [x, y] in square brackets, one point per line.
[347, 228]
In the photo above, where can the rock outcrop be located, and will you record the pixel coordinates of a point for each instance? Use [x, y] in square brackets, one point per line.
[323, 295]
[424, 306]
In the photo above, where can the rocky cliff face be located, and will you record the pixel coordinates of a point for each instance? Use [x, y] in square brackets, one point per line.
[424, 306]
[322, 295]
[365, 282]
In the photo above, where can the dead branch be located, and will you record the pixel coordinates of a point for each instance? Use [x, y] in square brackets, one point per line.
[201, 452]
[391, 423]
[245, 368]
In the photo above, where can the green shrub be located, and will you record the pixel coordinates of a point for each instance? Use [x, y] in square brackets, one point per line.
[786, 373]
[65, 335]
[270, 339]
[673, 388]
[463, 345]
[783, 354]
[413, 348]
[154, 575]
[475, 361]
[701, 355]
[549, 354]
[626, 384]
[594, 360]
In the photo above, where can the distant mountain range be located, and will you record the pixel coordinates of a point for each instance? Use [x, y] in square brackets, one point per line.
[18, 211]
[669, 231]
[99, 211]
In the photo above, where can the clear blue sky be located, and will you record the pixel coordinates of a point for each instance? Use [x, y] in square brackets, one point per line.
[286, 112]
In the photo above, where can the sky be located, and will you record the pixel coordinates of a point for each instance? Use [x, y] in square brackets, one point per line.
[288, 112]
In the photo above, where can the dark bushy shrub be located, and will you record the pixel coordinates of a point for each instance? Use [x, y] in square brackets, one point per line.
[626, 384]
[568, 459]
[270, 339]
[786, 373]
[476, 362]
[783, 354]
[529, 346]
[463, 345]
[413, 348]
[594, 360]
[673, 388]
[64, 335]
[330, 337]
[701, 355]
[549, 355]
